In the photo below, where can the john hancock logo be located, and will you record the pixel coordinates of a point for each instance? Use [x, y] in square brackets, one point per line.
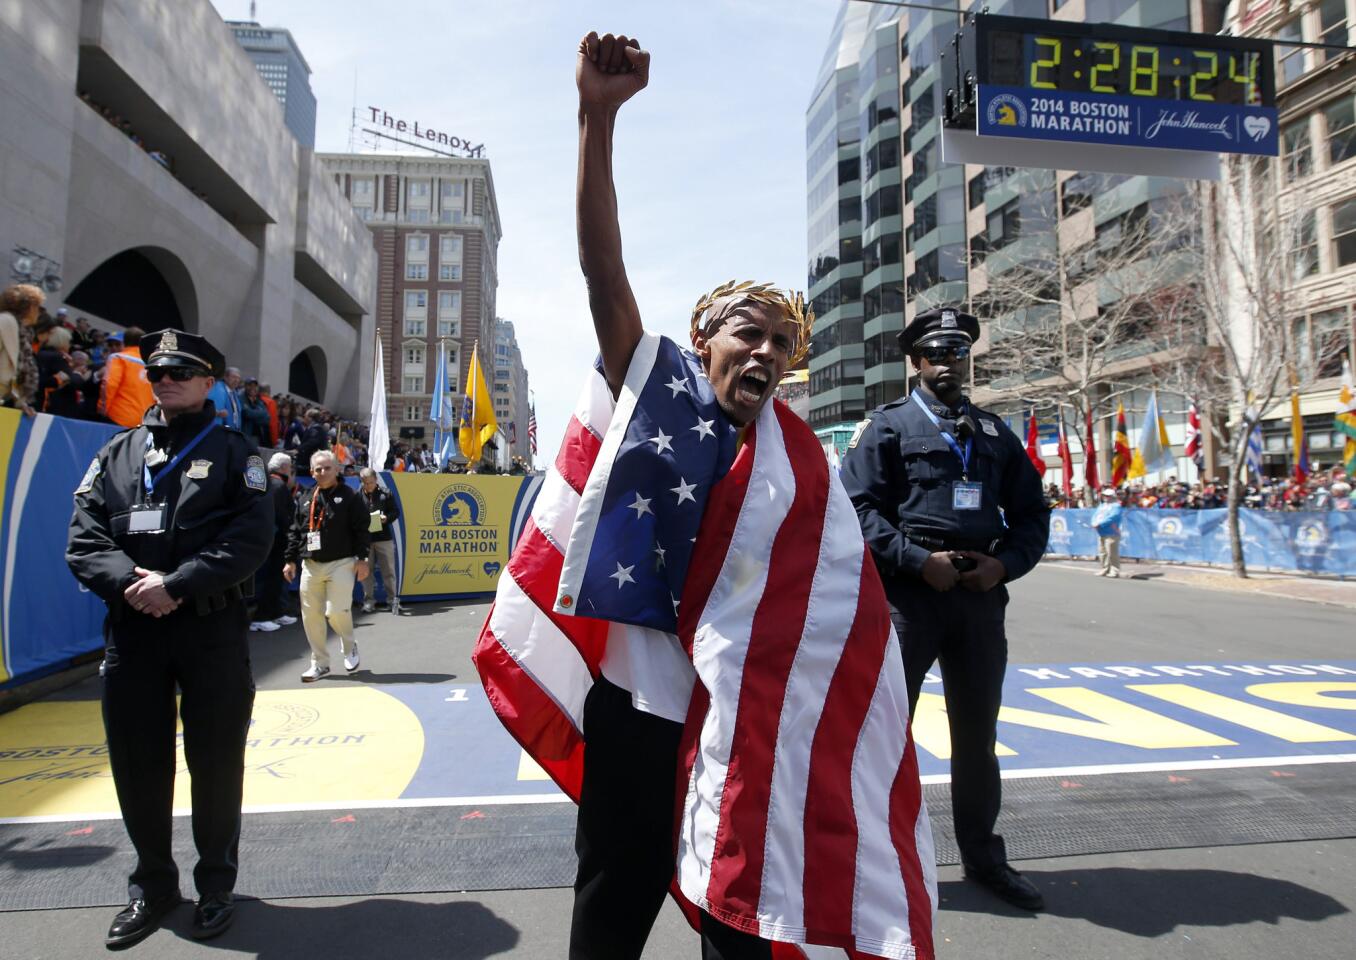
[1005, 110]
[459, 505]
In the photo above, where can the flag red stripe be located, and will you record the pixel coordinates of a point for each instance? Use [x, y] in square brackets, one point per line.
[531, 716]
[906, 799]
[737, 862]
[578, 451]
[535, 564]
[713, 539]
[830, 819]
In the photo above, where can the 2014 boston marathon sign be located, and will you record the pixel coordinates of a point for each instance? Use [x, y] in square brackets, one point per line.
[1122, 95]
[458, 530]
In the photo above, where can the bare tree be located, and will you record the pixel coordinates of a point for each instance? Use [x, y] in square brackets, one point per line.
[1257, 245]
[1076, 311]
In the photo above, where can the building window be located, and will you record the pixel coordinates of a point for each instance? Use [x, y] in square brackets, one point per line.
[416, 246]
[976, 190]
[1344, 233]
[501, 388]
[417, 215]
[1341, 118]
[362, 188]
[1291, 59]
[364, 213]
[1332, 25]
[414, 356]
[449, 304]
[415, 326]
[1295, 152]
[1331, 337]
[418, 190]
[416, 271]
[416, 303]
[414, 411]
[449, 257]
[414, 385]
[1304, 254]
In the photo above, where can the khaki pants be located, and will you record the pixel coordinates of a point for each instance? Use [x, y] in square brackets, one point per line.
[1109, 555]
[327, 595]
[383, 553]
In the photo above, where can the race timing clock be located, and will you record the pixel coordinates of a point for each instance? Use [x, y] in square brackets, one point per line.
[1106, 84]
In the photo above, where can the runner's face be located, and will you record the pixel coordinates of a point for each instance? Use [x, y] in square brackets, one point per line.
[746, 357]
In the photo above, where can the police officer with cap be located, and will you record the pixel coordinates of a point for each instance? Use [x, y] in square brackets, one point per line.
[171, 520]
[929, 475]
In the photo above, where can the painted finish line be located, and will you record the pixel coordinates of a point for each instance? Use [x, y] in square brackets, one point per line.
[331, 747]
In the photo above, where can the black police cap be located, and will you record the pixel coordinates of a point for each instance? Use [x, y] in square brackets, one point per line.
[175, 348]
[940, 325]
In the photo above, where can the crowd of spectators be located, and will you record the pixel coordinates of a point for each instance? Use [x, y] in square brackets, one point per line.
[1322, 490]
[125, 126]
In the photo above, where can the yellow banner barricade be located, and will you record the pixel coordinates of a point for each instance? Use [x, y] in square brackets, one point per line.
[456, 531]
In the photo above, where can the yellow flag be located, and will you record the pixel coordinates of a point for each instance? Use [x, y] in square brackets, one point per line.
[477, 411]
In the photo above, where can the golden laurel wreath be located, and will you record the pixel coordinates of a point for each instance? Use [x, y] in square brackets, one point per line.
[790, 301]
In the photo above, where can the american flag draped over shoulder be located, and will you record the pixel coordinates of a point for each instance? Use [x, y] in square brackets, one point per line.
[801, 818]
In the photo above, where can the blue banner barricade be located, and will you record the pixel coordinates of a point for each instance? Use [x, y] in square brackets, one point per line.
[1304, 541]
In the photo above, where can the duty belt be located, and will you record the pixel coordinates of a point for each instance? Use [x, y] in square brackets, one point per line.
[939, 543]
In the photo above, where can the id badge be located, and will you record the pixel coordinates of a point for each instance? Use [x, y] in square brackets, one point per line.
[147, 518]
[966, 495]
[313, 541]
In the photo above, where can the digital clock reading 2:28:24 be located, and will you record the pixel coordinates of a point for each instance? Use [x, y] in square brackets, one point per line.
[1126, 68]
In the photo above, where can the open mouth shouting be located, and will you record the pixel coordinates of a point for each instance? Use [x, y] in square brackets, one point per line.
[753, 385]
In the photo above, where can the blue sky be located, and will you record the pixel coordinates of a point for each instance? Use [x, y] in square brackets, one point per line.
[710, 158]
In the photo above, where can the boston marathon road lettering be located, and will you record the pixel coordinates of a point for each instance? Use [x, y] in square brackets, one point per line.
[434, 745]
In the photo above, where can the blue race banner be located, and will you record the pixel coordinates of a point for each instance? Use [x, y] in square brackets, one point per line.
[1303, 541]
[1126, 121]
[48, 618]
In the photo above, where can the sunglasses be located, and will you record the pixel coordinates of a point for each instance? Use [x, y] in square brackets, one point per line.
[938, 354]
[177, 374]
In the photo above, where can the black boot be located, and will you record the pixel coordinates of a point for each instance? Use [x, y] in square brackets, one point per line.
[1009, 885]
[213, 915]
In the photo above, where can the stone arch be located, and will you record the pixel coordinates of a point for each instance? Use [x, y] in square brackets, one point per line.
[306, 375]
[147, 287]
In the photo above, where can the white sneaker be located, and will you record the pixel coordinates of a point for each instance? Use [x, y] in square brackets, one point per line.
[352, 660]
[264, 626]
[395, 607]
[368, 606]
[314, 674]
[285, 621]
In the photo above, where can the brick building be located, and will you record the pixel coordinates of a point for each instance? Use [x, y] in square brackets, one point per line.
[435, 224]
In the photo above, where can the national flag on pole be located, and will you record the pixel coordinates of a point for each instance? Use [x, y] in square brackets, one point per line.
[803, 821]
[378, 429]
[1194, 448]
[442, 410]
[1065, 459]
[478, 425]
[1033, 444]
[1121, 455]
[513, 431]
[1090, 473]
[1254, 451]
[1154, 453]
[1299, 443]
[1345, 421]
[532, 430]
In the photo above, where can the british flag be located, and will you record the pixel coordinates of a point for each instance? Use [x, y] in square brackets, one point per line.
[802, 817]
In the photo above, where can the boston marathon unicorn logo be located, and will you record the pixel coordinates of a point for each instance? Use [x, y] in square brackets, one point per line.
[459, 505]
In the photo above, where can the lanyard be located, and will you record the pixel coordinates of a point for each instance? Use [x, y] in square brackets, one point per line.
[964, 455]
[310, 521]
[151, 481]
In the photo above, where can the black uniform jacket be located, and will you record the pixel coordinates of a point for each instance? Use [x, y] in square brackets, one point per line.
[218, 523]
[899, 473]
[341, 516]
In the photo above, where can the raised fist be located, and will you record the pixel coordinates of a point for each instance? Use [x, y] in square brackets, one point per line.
[610, 70]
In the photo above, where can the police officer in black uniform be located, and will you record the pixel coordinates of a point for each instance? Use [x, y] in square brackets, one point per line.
[929, 475]
[171, 520]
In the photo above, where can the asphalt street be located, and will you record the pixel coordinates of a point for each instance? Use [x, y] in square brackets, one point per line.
[1243, 901]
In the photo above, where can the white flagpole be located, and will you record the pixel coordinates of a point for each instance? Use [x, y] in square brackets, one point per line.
[378, 430]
